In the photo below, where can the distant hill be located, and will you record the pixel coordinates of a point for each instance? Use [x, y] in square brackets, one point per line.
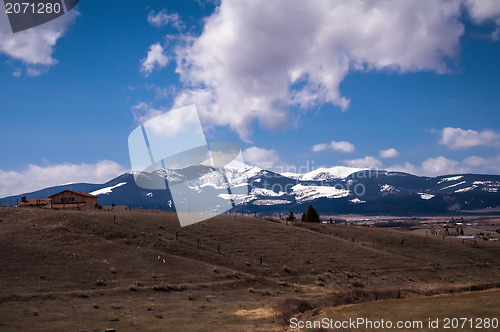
[333, 190]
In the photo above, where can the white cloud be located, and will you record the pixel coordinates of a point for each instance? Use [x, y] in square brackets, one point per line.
[259, 157]
[368, 161]
[335, 146]
[163, 18]
[457, 138]
[485, 10]
[254, 60]
[17, 72]
[36, 45]
[155, 59]
[441, 165]
[444, 166]
[38, 177]
[406, 168]
[389, 153]
[143, 112]
[482, 165]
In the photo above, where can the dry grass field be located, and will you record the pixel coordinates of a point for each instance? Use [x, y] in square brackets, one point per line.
[139, 271]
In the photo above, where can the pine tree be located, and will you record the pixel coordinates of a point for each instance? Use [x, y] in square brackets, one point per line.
[291, 217]
[311, 214]
[303, 218]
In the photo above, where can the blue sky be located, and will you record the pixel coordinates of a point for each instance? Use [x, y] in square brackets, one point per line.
[293, 84]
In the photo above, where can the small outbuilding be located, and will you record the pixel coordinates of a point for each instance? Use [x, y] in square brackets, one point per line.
[71, 199]
[33, 202]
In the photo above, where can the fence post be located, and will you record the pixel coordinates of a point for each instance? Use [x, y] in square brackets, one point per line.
[218, 248]
[176, 236]
[260, 260]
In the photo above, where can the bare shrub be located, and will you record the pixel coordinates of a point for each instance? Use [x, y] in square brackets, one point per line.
[291, 307]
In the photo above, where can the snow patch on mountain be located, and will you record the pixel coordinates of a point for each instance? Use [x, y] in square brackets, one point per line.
[454, 185]
[266, 192]
[451, 178]
[270, 201]
[425, 196]
[323, 173]
[387, 188]
[356, 201]
[463, 190]
[291, 175]
[309, 193]
[240, 198]
[107, 190]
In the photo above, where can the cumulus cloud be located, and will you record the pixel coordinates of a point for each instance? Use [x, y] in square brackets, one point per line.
[484, 10]
[144, 111]
[35, 46]
[482, 165]
[368, 161]
[38, 177]
[342, 146]
[251, 64]
[163, 18]
[266, 159]
[457, 138]
[155, 59]
[389, 153]
[443, 166]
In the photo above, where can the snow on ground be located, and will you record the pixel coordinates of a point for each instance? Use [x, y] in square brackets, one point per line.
[465, 189]
[388, 188]
[291, 175]
[270, 201]
[266, 192]
[308, 193]
[239, 198]
[425, 196]
[482, 182]
[337, 172]
[453, 185]
[356, 201]
[452, 178]
[107, 190]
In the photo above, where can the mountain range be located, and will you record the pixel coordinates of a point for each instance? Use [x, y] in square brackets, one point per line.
[335, 190]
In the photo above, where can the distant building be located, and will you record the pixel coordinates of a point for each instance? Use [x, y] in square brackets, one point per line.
[34, 202]
[71, 199]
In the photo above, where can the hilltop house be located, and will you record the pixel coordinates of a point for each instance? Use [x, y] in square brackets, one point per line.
[71, 199]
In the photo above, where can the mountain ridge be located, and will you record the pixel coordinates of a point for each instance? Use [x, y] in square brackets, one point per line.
[334, 190]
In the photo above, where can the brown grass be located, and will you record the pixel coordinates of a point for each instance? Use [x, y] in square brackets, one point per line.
[50, 258]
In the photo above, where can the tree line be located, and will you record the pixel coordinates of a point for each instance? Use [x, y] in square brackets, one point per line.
[311, 215]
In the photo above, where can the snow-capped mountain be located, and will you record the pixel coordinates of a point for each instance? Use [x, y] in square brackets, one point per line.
[331, 190]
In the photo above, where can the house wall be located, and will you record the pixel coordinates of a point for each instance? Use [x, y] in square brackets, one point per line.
[89, 202]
